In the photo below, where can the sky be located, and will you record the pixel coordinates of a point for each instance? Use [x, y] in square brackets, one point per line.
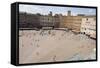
[55, 10]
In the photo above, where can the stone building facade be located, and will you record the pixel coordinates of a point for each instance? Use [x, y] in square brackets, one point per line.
[28, 20]
[88, 26]
[49, 21]
[71, 22]
[78, 23]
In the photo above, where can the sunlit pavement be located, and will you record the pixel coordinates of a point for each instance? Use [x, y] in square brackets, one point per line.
[54, 45]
